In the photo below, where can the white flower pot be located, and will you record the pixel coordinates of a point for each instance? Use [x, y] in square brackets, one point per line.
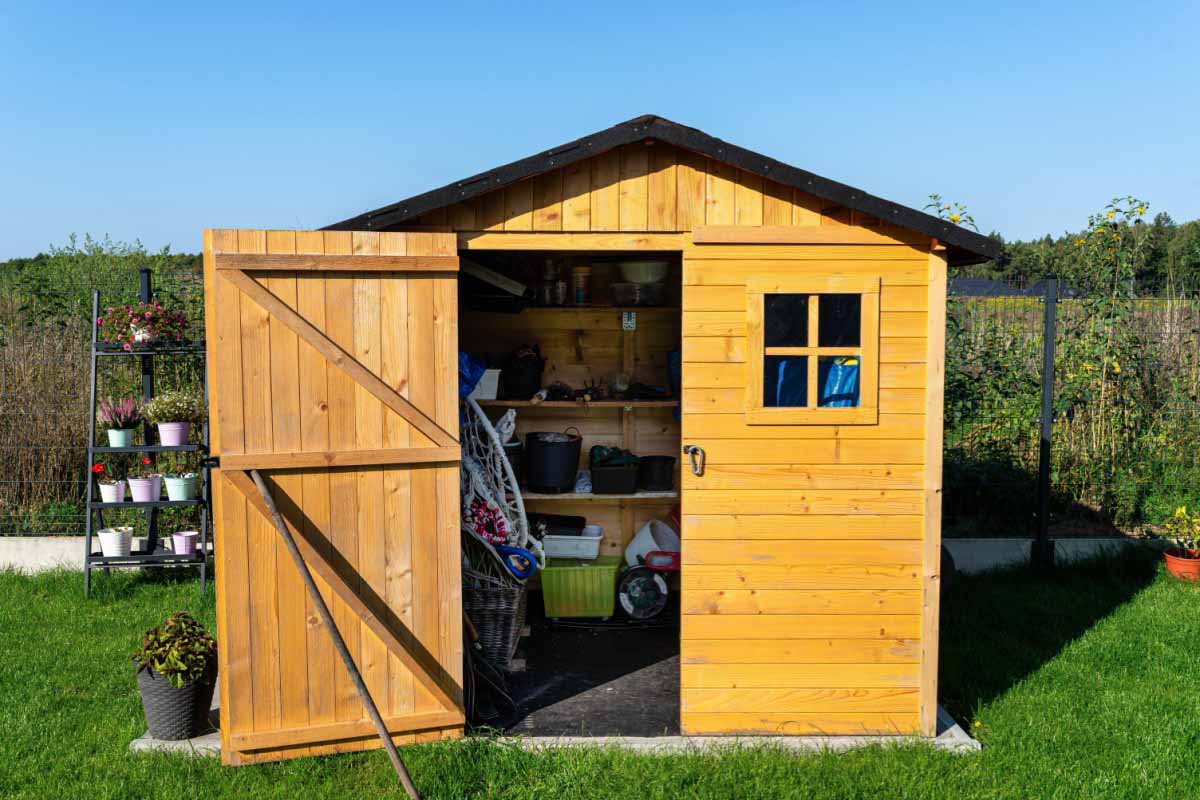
[112, 492]
[120, 437]
[115, 542]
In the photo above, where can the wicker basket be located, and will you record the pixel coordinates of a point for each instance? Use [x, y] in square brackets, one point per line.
[173, 714]
[497, 610]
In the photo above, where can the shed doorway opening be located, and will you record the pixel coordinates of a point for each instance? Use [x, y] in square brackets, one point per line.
[584, 349]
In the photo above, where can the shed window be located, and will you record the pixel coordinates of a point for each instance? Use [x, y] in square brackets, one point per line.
[813, 351]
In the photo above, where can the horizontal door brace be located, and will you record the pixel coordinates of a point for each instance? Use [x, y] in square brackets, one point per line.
[342, 458]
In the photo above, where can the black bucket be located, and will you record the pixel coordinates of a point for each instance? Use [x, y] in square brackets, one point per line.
[656, 473]
[512, 451]
[551, 461]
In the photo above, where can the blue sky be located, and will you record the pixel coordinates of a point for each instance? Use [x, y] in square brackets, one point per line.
[153, 121]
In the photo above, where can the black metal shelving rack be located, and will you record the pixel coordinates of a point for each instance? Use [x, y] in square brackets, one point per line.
[154, 555]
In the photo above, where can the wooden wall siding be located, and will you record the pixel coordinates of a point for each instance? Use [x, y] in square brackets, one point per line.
[803, 547]
[642, 187]
[283, 692]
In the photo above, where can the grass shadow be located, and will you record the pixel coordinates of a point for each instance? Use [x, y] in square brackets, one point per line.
[999, 627]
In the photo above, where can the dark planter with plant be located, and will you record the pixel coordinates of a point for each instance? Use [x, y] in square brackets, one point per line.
[177, 672]
[1183, 530]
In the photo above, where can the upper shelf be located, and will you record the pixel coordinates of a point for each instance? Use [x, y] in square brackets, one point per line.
[578, 404]
[151, 349]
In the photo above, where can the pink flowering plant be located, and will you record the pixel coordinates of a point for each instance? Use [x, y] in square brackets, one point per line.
[142, 322]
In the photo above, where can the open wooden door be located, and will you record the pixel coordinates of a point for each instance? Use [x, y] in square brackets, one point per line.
[333, 372]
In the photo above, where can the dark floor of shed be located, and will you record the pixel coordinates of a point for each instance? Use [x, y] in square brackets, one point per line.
[593, 678]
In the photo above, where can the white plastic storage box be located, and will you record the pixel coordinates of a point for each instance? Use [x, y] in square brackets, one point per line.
[585, 546]
[488, 386]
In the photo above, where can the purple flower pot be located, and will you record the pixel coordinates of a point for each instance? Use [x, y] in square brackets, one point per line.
[184, 542]
[173, 434]
[145, 490]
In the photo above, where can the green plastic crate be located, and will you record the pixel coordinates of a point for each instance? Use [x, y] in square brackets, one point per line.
[574, 588]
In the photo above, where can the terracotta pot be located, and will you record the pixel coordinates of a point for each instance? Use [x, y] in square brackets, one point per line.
[1183, 564]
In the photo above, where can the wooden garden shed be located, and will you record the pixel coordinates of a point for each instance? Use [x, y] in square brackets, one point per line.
[810, 529]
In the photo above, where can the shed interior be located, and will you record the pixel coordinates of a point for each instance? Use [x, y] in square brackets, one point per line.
[609, 365]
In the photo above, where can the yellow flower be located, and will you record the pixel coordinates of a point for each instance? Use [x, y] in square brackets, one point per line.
[1116, 365]
[1141, 210]
[1110, 215]
[1086, 366]
[1079, 242]
[955, 218]
[978, 724]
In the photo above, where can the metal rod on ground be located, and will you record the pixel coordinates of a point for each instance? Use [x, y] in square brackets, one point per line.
[1041, 554]
[334, 634]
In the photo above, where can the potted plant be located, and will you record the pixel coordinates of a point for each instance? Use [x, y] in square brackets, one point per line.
[177, 671]
[115, 542]
[145, 485]
[182, 483]
[112, 489]
[1183, 530]
[140, 323]
[121, 418]
[174, 413]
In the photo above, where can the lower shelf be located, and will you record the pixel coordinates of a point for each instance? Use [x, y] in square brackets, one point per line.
[145, 559]
[576, 497]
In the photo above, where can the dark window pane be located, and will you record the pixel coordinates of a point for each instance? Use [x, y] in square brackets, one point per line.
[838, 379]
[840, 320]
[785, 381]
[785, 320]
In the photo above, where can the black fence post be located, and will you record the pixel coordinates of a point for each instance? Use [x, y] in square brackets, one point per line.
[146, 295]
[1041, 553]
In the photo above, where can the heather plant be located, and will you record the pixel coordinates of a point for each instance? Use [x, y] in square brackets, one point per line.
[120, 414]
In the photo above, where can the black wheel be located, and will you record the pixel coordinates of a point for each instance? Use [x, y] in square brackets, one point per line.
[642, 592]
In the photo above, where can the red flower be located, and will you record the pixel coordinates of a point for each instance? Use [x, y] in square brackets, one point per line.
[98, 469]
[145, 461]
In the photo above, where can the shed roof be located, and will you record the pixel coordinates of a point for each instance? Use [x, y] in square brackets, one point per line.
[964, 246]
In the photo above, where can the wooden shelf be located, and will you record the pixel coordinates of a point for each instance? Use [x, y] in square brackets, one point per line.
[578, 404]
[591, 497]
[152, 448]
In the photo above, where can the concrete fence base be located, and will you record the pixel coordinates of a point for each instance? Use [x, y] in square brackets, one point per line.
[38, 553]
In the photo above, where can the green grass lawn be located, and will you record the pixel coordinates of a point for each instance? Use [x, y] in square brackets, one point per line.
[1083, 686]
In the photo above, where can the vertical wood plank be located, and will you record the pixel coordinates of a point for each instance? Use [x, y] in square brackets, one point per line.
[632, 211]
[448, 538]
[285, 405]
[661, 189]
[223, 332]
[422, 367]
[754, 351]
[777, 204]
[397, 486]
[577, 196]
[368, 414]
[489, 211]
[870, 345]
[720, 194]
[691, 184]
[806, 209]
[547, 201]
[462, 217]
[343, 487]
[314, 436]
[606, 191]
[518, 206]
[935, 360]
[260, 536]
[748, 199]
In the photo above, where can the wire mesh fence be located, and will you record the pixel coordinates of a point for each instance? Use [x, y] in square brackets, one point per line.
[1125, 399]
[1124, 411]
[45, 340]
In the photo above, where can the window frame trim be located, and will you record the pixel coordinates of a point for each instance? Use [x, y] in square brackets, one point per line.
[867, 412]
